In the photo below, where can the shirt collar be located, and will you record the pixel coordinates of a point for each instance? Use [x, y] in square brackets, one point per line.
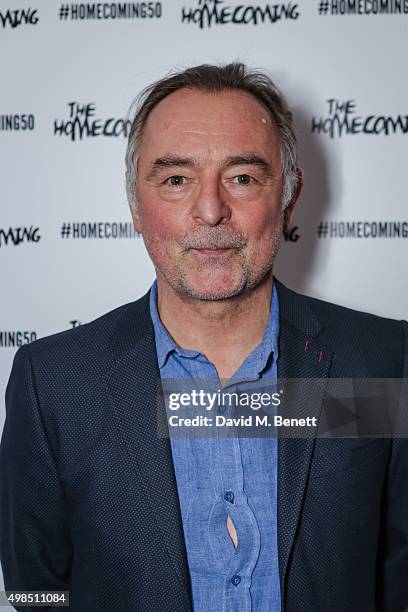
[257, 360]
[254, 363]
[164, 342]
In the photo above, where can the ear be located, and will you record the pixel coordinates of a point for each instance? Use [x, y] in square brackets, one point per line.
[288, 212]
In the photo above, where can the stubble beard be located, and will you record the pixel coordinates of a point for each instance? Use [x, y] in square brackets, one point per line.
[250, 275]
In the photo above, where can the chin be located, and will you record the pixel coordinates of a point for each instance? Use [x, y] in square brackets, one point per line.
[211, 291]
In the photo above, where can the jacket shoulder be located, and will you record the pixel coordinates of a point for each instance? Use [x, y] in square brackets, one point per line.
[330, 312]
[90, 339]
[357, 334]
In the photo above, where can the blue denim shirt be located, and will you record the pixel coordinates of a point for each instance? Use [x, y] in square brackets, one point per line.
[217, 476]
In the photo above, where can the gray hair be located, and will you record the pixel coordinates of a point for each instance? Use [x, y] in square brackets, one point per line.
[214, 79]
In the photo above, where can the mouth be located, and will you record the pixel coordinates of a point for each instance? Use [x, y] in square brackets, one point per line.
[211, 252]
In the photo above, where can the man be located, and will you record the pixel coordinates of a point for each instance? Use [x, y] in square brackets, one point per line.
[96, 502]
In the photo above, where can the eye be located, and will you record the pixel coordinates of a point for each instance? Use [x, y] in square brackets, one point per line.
[244, 179]
[175, 181]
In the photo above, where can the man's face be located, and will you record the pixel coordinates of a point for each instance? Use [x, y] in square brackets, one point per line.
[209, 193]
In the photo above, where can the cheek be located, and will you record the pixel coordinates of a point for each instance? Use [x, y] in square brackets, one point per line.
[156, 233]
[160, 228]
[156, 218]
[153, 226]
[263, 223]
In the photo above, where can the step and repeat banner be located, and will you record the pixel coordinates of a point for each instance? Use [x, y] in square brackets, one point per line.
[69, 72]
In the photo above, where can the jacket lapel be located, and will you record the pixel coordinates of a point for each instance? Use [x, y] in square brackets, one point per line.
[301, 356]
[132, 380]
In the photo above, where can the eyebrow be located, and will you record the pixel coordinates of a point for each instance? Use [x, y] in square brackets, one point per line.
[170, 161]
[249, 160]
[175, 161]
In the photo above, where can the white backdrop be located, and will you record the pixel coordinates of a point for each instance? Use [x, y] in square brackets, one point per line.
[71, 64]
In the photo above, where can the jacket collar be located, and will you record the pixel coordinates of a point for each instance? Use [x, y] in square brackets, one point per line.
[136, 323]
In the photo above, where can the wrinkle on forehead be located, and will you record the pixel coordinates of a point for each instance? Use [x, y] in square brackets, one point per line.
[176, 105]
[218, 125]
[222, 132]
[202, 129]
[196, 114]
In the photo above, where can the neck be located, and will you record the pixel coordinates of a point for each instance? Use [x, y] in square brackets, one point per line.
[225, 331]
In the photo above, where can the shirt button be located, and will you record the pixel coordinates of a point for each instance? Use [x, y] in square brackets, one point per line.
[229, 496]
[236, 580]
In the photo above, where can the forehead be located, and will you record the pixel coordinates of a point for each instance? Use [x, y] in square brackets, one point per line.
[188, 118]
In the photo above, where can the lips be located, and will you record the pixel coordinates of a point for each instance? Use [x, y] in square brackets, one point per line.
[212, 251]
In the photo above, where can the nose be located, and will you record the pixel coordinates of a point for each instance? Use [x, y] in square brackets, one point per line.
[210, 206]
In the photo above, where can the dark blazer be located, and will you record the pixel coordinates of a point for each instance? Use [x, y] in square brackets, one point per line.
[88, 495]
